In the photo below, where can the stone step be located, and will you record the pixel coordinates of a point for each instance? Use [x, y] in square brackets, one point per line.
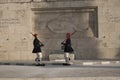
[52, 62]
[66, 78]
[60, 57]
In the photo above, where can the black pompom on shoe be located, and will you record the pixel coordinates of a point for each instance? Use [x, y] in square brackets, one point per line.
[66, 64]
[40, 64]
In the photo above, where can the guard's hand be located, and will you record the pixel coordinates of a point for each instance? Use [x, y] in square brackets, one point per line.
[63, 43]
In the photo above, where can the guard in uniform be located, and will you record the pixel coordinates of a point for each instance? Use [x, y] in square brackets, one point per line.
[67, 48]
[37, 49]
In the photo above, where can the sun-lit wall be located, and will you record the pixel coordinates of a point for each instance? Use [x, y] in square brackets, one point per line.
[95, 23]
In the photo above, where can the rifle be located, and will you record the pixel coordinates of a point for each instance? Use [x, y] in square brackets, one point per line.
[63, 44]
[31, 33]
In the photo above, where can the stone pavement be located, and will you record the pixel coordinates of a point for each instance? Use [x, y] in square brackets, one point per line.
[79, 70]
[71, 78]
[59, 72]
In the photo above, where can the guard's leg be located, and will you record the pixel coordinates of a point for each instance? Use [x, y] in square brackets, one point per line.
[37, 58]
[40, 57]
[67, 59]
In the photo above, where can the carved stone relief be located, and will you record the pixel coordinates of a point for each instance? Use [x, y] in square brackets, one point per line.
[62, 22]
[52, 27]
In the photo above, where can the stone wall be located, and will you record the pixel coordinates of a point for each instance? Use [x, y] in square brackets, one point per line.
[15, 31]
[95, 23]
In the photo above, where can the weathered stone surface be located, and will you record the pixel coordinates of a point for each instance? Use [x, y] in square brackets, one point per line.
[96, 23]
[12, 1]
[59, 57]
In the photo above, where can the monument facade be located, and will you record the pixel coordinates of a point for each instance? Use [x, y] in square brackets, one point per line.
[95, 24]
